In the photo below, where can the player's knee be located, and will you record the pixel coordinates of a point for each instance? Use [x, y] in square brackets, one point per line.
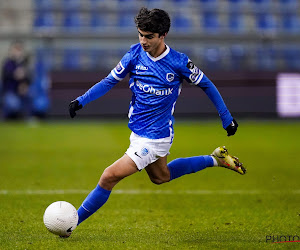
[108, 178]
[159, 180]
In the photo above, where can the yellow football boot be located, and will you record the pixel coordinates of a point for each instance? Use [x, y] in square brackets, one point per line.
[227, 161]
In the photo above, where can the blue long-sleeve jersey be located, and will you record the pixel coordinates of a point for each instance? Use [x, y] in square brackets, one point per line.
[156, 84]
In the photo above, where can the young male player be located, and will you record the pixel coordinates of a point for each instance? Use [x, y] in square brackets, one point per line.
[156, 72]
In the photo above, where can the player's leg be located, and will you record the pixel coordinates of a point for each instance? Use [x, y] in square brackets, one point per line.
[160, 172]
[110, 177]
[120, 169]
[189, 165]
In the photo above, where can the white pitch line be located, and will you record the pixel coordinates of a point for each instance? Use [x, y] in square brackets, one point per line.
[148, 191]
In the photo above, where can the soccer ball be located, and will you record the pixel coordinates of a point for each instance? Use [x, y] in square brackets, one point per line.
[61, 218]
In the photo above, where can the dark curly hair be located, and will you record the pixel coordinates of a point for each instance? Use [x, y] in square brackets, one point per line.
[155, 20]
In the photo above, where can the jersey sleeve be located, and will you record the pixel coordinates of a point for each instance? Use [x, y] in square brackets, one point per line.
[123, 67]
[192, 74]
[98, 90]
[214, 95]
[102, 87]
[189, 71]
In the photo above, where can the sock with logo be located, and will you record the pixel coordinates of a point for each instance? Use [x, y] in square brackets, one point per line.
[182, 166]
[92, 203]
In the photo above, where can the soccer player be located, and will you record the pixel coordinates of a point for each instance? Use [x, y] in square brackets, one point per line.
[156, 73]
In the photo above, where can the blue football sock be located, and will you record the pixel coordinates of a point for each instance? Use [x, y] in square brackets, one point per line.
[92, 203]
[182, 166]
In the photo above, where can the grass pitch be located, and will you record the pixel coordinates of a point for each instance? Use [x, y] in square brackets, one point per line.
[212, 209]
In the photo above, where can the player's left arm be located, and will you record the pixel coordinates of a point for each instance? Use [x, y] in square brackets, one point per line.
[229, 123]
[196, 77]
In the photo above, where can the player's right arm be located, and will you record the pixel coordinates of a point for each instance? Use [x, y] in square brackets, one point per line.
[102, 87]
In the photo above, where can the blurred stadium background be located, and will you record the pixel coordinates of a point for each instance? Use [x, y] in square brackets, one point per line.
[249, 48]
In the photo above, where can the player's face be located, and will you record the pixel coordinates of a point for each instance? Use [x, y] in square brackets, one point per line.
[152, 42]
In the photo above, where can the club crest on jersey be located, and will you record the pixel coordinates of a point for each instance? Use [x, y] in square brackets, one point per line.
[170, 77]
[119, 68]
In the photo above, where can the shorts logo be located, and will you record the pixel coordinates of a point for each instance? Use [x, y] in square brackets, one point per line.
[144, 151]
[137, 155]
[119, 68]
[170, 77]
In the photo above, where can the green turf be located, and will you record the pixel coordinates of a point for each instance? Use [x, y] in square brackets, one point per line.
[215, 208]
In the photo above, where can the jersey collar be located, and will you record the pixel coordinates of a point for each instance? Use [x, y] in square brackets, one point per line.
[166, 52]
